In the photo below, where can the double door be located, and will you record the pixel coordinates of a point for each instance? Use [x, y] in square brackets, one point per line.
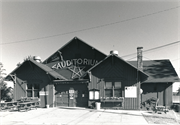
[72, 95]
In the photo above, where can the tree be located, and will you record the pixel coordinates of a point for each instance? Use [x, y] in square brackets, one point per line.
[6, 92]
[1, 71]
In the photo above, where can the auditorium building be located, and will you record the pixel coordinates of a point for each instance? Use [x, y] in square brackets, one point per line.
[79, 75]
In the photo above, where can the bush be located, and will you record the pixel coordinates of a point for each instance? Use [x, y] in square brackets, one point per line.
[6, 92]
[173, 106]
[177, 109]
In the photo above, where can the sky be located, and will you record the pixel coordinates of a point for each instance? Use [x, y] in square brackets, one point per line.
[41, 27]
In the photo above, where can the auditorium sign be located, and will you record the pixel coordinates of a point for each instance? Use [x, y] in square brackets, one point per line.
[75, 62]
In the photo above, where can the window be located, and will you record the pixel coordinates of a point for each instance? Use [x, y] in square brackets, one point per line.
[113, 89]
[32, 90]
[29, 90]
[94, 94]
[108, 91]
[117, 89]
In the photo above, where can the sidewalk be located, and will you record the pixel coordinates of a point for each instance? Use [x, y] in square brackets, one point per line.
[72, 116]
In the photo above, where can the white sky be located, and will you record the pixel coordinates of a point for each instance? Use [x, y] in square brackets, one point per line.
[23, 20]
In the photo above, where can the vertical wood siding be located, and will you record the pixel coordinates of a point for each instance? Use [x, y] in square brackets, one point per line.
[169, 94]
[51, 95]
[20, 89]
[114, 69]
[29, 73]
[131, 103]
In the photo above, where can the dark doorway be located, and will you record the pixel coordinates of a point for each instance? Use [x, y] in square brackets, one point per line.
[77, 98]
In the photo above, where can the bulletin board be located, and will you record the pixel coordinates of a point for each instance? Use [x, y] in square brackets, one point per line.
[91, 95]
[130, 92]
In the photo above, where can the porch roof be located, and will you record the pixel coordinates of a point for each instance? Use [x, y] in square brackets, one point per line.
[159, 71]
[43, 67]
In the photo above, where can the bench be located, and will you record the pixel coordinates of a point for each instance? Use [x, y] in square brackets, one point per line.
[159, 108]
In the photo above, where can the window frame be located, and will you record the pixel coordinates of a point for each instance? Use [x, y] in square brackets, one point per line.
[32, 90]
[113, 89]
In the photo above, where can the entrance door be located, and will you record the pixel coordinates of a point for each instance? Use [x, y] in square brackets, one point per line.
[64, 96]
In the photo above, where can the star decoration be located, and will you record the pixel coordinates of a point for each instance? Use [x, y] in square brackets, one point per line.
[76, 71]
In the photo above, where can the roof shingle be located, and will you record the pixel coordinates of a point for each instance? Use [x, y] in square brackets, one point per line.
[158, 71]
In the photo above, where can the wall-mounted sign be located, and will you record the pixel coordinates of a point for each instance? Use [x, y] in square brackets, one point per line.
[96, 95]
[71, 91]
[43, 93]
[67, 63]
[71, 96]
[76, 71]
[130, 92]
[91, 95]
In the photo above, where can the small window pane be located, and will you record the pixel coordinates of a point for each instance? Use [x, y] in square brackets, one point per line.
[117, 93]
[117, 84]
[29, 86]
[108, 93]
[29, 93]
[36, 93]
[108, 84]
[36, 86]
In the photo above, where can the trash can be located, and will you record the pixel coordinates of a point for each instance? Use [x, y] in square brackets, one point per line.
[98, 105]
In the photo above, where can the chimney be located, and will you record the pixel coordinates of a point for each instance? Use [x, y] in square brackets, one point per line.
[139, 58]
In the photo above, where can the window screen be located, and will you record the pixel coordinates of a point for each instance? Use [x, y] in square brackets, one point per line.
[33, 90]
[108, 84]
[36, 86]
[36, 93]
[117, 85]
[117, 93]
[108, 93]
[29, 86]
[29, 93]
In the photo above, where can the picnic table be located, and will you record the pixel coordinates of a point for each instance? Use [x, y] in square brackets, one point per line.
[153, 105]
[19, 105]
[8, 105]
[27, 105]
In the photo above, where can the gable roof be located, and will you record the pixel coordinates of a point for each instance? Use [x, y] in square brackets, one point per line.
[75, 38]
[43, 67]
[143, 73]
[158, 71]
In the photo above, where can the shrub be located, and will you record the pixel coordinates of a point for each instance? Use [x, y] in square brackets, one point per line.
[6, 92]
[177, 108]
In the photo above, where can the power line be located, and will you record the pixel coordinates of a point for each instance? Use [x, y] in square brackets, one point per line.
[152, 59]
[153, 48]
[147, 58]
[131, 58]
[95, 27]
